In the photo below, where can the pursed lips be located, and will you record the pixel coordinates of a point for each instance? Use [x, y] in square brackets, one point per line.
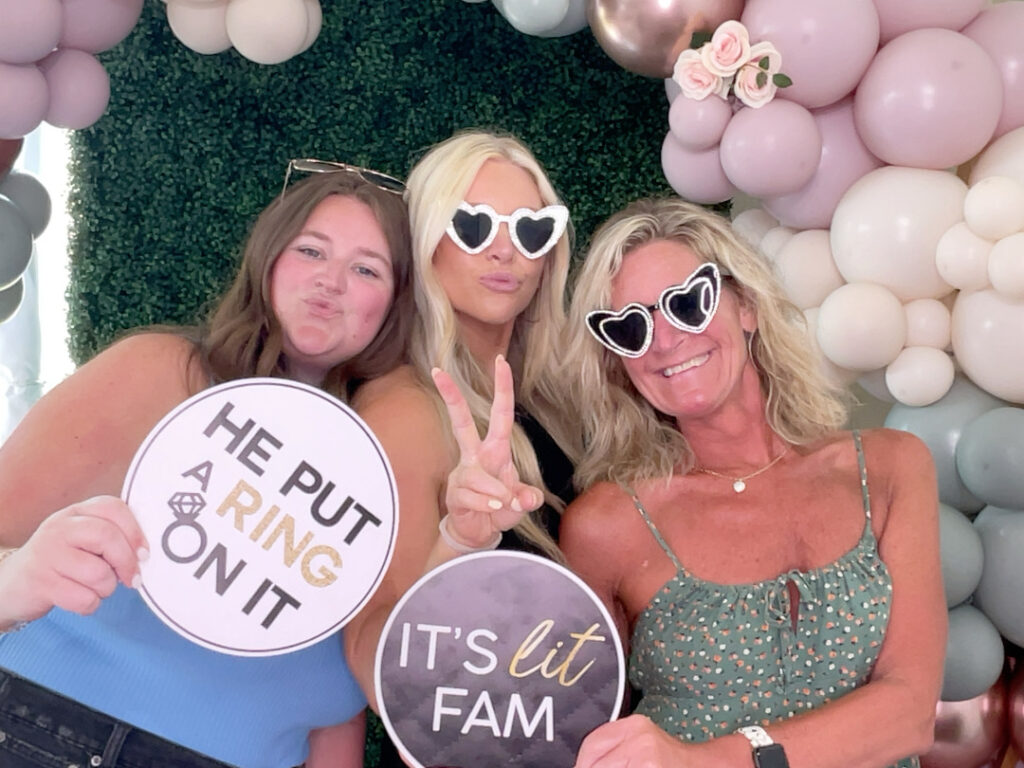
[503, 282]
[322, 307]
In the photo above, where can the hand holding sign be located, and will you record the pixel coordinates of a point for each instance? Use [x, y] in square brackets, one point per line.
[484, 494]
[634, 740]
[74, 559]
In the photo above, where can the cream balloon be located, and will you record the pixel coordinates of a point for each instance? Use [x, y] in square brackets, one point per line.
[315, 15]
[842, 377]
[928, 323]
[994, 207]
[200, 26]
[753, 224]
[773, 240]
[1006, 266]
[861, 326]
[1003, 157]
[647, 36]
[887, 226]
[806, 269]
[920, 376]
[962, 258]
[267, 31]
[987, 342]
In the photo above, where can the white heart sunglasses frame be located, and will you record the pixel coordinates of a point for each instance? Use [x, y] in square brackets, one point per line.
[559, 213]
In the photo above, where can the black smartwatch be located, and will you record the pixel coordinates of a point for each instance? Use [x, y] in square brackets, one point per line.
[767, 754]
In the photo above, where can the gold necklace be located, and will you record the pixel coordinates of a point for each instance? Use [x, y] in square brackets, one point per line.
[739, 484]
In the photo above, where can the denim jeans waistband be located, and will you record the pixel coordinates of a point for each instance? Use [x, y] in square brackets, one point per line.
[39, 727]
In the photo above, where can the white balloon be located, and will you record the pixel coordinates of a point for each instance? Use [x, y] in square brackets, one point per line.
[861, 326]
[920, 375]
[887, 227]
[201, 27]
[315, 16]
[533, 17]
[962, 258]
[753, 224]
[574, 21]
[994, 207]
[838, 375]
[672, 89]
[773, 240]
[267, 31]
[1003, 157]
[1006, 267]
[806, 269]
[987, 342]
[928, 323]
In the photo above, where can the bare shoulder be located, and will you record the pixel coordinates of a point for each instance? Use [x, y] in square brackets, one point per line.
[593, 521]
[895, 454]
[400, 387]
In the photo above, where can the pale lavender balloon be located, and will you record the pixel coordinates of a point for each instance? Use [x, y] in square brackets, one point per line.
[771, 150]
[23, 99]
[898, 16]
[844, 159]
[695, 176]
[699, 124]
[30, 29]
[930, 99]
[96, 25]
[79, 88]
[999, 30]
[825, 46]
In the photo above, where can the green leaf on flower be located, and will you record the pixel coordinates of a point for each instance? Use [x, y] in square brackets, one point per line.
[763, 62]
[761, 79]
[699, 38]
[781, 80]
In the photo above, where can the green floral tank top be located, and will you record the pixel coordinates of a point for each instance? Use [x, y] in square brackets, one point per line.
[710, 658]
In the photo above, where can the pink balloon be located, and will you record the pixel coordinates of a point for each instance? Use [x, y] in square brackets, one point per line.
[696, 176]
[29, 31]
[79, 88]
[825, 46]
[23, 99]
[999, 30]
[930, 99]
[698, 124]
[899, 16]
[771, 150]
[844, 159]
[96, 25]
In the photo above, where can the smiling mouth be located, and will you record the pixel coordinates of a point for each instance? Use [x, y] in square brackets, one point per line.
[693, 362]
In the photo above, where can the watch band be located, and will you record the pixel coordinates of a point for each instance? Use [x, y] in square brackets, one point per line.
[756, 735]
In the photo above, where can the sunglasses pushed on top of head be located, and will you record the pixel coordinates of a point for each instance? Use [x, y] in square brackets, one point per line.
[688, 306]
[533, 233]
[370, 176]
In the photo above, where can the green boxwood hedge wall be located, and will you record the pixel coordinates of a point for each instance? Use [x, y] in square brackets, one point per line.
[165, 184]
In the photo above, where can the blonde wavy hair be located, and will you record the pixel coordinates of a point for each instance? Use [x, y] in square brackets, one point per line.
[626, 439]
[436, 185]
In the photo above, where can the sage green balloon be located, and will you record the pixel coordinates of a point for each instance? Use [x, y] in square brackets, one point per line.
[961, 554]
[974, 654]
[1000, 593]
[990, 457]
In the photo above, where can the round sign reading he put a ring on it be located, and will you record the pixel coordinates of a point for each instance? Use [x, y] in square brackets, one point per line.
[498, 658]
[271, 514]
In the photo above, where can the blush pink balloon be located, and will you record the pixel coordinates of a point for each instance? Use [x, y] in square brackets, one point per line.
[930, 99]
[96, 25]
[695, 176]
[825, 47]
[23, 99]
[79, 88]
[771, 150]
[29, 31]
[698, 124]
[970, 733]
[999, 30]
[844, 159]
[899, 16]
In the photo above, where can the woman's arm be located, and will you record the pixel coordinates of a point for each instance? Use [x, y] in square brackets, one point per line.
[890, 717]
[338, 746]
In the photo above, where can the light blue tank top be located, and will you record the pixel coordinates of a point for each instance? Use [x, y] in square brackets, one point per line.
[122, 660]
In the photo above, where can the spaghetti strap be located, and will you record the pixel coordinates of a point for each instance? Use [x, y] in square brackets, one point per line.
[657, 534]
[864, 493]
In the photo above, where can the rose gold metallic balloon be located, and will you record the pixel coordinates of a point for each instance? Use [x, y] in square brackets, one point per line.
[647, 36]
[1015, 703]
[971, 733]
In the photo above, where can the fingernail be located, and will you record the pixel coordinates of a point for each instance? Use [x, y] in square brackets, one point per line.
[495, 504]
[516, 506]
[136, 581]
[142, 553]
[500, 357]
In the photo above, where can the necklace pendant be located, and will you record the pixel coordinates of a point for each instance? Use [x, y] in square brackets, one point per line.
[739, 486]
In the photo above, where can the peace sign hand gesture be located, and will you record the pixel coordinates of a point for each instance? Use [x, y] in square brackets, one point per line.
[484, 495]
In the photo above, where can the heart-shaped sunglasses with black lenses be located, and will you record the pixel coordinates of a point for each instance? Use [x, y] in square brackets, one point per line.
[688, 306]
[533, 233]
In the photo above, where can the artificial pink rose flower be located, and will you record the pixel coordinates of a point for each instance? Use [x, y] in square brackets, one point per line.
[693, 77]
[754, 84]
[728, 49]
